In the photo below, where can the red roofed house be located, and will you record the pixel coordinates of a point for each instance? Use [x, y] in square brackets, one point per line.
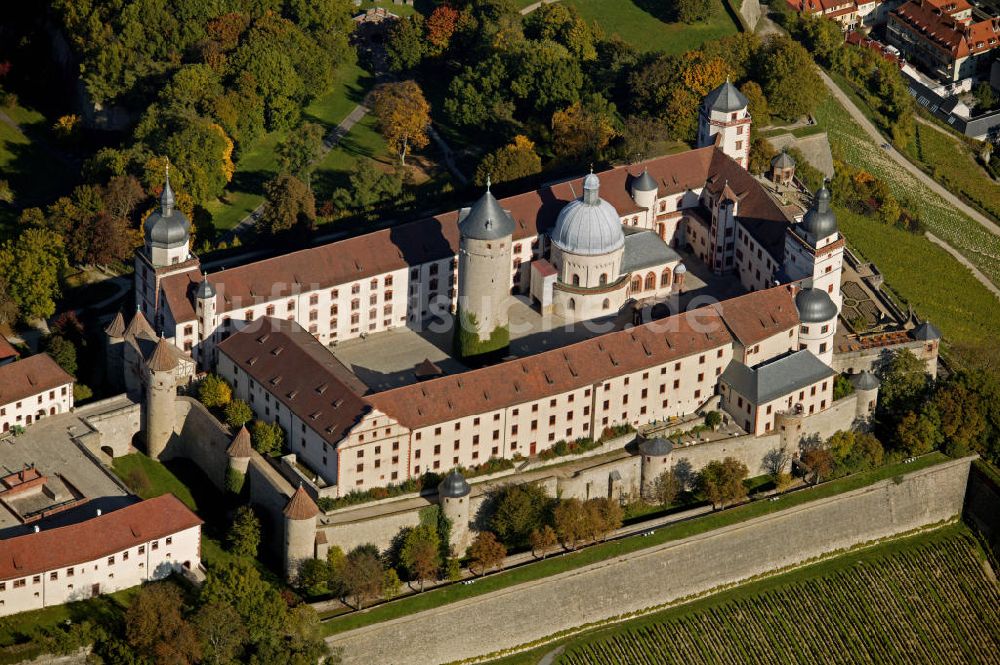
[949, 38]
[31, 389]
[8, 353]
[148, 540]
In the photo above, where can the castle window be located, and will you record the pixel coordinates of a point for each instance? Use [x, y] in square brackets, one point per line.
[606, 304]
[665, 278]
[572, 304]
[248, 315]
[355, 304]
[650, 281]
[373, 299]
[313, 299]
[269, 311]
[290, 306]
[636, 284]
[576, 280]
[188, 330]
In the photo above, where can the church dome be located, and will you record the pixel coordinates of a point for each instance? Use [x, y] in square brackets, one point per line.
[819, 221]
[167, 227]
[815, 306]
[589, 226]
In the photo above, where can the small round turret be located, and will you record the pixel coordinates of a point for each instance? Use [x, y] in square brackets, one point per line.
[453, 497]
[657, 457]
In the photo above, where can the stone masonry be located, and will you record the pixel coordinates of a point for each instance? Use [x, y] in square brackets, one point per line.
[663, 573]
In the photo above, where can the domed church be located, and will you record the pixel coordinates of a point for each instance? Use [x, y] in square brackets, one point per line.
[597, 263]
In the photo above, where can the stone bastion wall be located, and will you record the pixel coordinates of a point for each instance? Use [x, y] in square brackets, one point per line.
[663, 573]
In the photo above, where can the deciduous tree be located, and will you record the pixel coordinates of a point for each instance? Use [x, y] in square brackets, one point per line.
[238, 413]
[363, 574]
[244, 533]
[542, 540]
[220, 631]
[519, 509]
[214, 392]
[288, 202]
[300, 149]
[722, 482]
[569, 520]
[156, 628]
[441, 25]
[406, 44]
[421, 553]
[486, 552]
[34, 265]
[819, 461]
[403, 116]
[267, 438]
[513, 161]
[666, 488]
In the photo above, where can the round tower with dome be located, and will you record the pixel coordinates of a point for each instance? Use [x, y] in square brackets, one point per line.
[588, 243]
[453, 497]
[484, 278]
[818, 315]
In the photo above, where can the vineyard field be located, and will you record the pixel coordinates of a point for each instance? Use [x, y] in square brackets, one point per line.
[934, 602]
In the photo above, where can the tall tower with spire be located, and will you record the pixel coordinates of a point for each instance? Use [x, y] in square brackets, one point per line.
[724, 121]
[165, 251]
[484, 277]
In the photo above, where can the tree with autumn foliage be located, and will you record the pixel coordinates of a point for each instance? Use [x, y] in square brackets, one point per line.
[486, 552]
[403, 116]
[585, 128]
[440, 27]
[513, 161]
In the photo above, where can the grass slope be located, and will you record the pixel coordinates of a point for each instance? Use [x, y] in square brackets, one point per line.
[608, 550]
[640, 22]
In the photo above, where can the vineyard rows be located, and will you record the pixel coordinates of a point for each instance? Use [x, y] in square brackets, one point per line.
[929, 604]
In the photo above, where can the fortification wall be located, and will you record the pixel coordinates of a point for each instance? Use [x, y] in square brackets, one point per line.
[199, 437]
[617, 479]
[982, 507]
[663, 573]
[115, 422]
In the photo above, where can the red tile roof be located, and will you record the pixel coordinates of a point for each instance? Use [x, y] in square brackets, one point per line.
[30, 376]
[301, 506]
[6, 350]
[95, 538]
[559, 370]
[301, 373]
[754, 317]
[436, 238]
[933, 24]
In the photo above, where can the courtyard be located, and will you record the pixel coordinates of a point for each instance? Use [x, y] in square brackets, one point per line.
[71, 475]
[399, 357]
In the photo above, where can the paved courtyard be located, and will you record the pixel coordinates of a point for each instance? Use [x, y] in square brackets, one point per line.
[389, 359]
[48, 445]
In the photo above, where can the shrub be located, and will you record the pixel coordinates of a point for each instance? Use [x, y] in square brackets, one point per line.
[234, 481]
[214, 392]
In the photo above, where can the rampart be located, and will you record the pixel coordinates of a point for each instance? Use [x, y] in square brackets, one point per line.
[663, 573]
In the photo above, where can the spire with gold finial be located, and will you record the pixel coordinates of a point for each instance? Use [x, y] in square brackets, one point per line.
[167, 198]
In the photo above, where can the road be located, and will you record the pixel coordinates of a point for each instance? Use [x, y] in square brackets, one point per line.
[980, 277]
[896, 156]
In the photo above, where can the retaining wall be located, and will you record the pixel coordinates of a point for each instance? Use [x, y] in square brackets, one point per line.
[663, 573]
[982, 507]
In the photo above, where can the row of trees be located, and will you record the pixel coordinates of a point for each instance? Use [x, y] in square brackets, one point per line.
[549, 86]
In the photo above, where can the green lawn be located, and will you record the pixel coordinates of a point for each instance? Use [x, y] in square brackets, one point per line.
[259, 165]
[745, 605]
[609, 550]
[931, 280]
[189, 484]
[635, 22]
[28, 164]
[363, 142]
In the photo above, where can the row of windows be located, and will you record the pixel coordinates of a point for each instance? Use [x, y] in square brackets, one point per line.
[71, 571]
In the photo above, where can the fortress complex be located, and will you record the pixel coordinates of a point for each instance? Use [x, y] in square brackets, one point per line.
[585, 248]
